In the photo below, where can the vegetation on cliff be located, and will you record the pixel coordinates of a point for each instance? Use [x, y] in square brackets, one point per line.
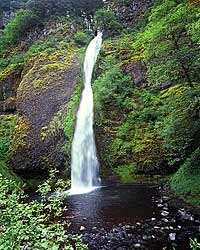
[146, 88]
[147, 96]
[40, 72]
[38, 78]
[147, 102]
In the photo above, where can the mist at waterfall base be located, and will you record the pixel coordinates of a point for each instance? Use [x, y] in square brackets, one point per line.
[84, 165]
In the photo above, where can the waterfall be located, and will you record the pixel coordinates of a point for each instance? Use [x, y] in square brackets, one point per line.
[84, 165]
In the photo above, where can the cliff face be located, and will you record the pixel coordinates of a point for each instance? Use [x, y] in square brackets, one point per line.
[40, 88]
[38, 95]
[129, 12]
[119, 65]
[146, 118]
[9, 83]
[42, 100]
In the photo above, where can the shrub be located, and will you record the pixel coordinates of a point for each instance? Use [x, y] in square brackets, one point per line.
[166, 44]
[107, 22]
[23, 22]
[34, 225]
[81, 38]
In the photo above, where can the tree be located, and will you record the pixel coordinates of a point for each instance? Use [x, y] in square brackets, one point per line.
[18, 26]
[167, 49]
[106, 21]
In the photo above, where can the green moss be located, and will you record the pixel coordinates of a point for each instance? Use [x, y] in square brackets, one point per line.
[55, 125]
[52, 45]
[52, 66]
[21, 131]
[11, 68]
[47, 70]
[128, 174]
[37, 83]
[43, 132]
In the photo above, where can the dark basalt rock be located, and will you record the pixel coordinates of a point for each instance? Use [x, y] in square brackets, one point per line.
[146, 235]
[138, 73]
[36, 146]
[8, 91]
[130, 13]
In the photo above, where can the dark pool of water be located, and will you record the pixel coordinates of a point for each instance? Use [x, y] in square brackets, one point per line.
[111, 205]
[128, 217]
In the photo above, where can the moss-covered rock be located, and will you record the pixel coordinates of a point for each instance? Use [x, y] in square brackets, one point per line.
[153, 130]
[42, 100]
[37, 81]
[129, 11]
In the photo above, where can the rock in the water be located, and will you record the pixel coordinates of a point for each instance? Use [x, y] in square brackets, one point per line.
[137, 245]
[172, 236]
[82, 228]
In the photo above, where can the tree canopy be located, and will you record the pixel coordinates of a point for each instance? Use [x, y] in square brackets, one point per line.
[167, 44]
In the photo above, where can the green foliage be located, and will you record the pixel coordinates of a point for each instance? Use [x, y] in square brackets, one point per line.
[180, 127]
[107, 22]
[150, 129]
[34, 225]
[16, 29]
[186, 182]
[194, 28]
[124, 111]
[7, 124]
[112, 87]
[6, 128]
[81, 38]
[153, 129]
[166, 45]
[194, 245]
[56, 41]
[126, 173]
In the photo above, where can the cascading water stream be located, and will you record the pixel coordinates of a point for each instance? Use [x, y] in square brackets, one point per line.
[85, 166]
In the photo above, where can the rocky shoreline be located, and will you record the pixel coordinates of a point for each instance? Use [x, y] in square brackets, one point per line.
[173, 230]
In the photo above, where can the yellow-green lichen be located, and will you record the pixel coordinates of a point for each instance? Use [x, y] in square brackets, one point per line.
[46, 71]
[53, 128]
[21, 131]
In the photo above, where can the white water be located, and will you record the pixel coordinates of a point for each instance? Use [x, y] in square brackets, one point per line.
[85, 166]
